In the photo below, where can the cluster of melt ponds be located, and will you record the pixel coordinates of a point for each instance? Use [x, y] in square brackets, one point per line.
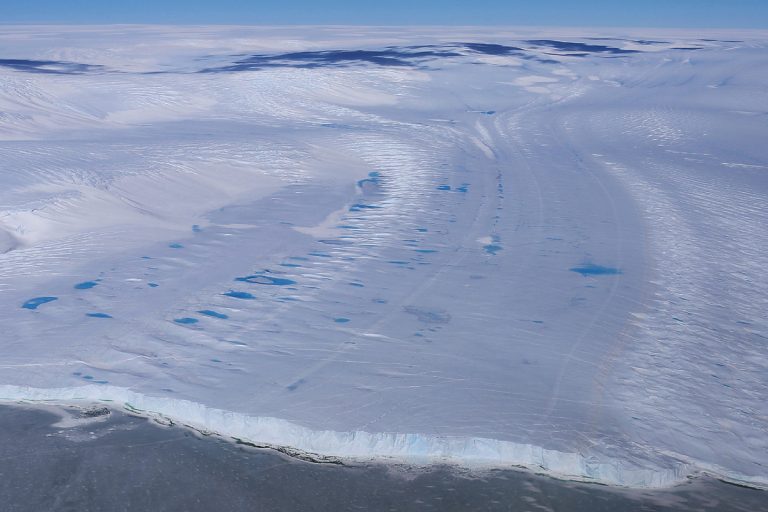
[370, 188]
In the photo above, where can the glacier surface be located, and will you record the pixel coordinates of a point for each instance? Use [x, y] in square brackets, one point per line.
[519, 247]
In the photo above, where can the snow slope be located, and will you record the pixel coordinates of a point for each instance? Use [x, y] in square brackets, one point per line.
[527, 248]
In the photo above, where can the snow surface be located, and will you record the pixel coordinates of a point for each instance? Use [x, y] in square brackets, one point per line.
[530, 248]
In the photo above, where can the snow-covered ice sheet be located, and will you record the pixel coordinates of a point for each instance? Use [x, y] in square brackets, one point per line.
[522, 248]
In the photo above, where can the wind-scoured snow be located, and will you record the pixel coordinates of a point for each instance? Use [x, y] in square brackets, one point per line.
[526, 248]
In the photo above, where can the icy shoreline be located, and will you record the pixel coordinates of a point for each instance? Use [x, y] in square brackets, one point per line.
[417, 449]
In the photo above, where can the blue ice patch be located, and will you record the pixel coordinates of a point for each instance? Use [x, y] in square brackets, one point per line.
[583, 48]
[54, 67]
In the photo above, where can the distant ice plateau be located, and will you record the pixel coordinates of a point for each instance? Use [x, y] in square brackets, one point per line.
[515, 247]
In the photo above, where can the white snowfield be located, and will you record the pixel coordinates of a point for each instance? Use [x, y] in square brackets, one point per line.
[484, 247]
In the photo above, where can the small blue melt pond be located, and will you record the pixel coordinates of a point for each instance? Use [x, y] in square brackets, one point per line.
[38, 301]
[239, 295]
[86, 285]
[595, 270]
[357, 207]
[268, 280]
[98, 315]
[373, 179]
[185, 321]
[214, 314]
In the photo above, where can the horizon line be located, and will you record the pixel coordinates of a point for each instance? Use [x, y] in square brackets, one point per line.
[370, 25]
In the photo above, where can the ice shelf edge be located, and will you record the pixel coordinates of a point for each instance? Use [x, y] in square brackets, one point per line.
[419, 449]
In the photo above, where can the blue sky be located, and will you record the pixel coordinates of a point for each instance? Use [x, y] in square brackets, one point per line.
[645, 13]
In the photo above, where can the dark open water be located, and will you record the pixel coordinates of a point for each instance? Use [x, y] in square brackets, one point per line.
[123, 463]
